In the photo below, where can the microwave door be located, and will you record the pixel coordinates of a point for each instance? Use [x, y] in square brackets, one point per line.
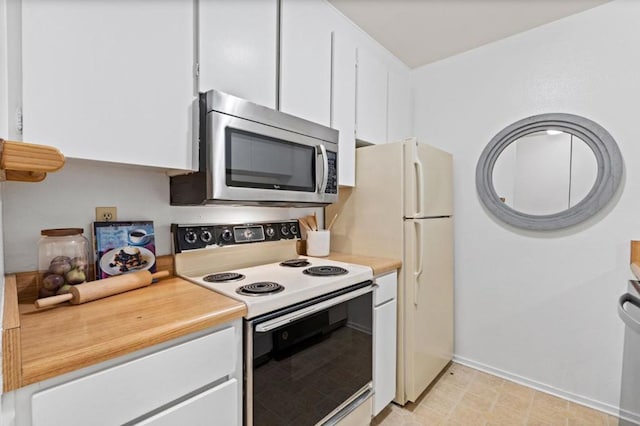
[260, 164]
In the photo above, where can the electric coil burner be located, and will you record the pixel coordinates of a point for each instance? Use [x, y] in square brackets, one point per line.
[295, 263]
[223, 277]
[263, 288]
[325, 271]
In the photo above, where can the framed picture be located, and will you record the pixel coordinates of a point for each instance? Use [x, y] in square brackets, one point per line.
[122, 247]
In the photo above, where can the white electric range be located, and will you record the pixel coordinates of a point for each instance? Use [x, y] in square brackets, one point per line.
[308, 332]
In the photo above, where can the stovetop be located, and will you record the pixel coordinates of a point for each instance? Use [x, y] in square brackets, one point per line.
[298, 285]
[226, 257]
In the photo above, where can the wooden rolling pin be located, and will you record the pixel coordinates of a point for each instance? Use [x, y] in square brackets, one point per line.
[98, 289]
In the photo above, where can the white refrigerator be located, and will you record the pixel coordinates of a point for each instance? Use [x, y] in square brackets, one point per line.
[402, 207]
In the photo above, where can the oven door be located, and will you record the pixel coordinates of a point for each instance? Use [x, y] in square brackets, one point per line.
[251, 161]
[311, 363]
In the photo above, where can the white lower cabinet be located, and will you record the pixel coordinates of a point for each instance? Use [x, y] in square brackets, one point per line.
[384, 345]
[193, 380]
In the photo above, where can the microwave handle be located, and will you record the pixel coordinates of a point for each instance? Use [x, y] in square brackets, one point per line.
[322, 151]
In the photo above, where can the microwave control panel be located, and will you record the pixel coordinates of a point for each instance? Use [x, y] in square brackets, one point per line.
[191, 237]
[332, 180]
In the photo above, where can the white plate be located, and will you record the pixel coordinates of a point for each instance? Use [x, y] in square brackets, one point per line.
[108, 257]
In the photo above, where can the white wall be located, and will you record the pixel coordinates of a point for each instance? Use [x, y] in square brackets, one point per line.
[68, 198]
[541, 306]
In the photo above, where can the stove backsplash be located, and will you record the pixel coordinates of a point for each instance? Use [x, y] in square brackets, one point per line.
[68, 199]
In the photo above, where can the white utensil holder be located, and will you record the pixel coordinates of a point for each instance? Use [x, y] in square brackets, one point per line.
[318, 243]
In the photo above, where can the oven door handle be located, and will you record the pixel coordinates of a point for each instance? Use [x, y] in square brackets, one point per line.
[294, 316]
[322, 152]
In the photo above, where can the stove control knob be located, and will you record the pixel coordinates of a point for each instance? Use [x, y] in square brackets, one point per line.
[270, 232]
[248, 234]
[206, 236]
[294, 229]
[226, 236]
[190, 237]
[284, 230]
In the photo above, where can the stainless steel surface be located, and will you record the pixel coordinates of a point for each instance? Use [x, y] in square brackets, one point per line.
[216, 166]
[283, 177]
[294, 316]
[230, 105]
[325, 168]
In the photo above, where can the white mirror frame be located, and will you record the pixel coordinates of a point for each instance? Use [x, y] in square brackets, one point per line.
[608, 179]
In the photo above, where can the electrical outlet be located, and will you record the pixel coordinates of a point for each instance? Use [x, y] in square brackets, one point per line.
[106, 214]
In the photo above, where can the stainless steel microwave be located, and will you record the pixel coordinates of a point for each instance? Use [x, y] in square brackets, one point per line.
[251, 154]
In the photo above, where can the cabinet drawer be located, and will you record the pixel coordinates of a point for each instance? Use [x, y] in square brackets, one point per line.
[218, 405]
[121, 393]
[387, 288]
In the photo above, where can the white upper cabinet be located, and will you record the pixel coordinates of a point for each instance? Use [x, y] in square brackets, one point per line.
[343, 104]
[400, 124]
[237, 48]
[305, 63]
[110, 80]
[371, 98]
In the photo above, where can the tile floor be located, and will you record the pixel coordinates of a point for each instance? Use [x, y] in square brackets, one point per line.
[467, 397]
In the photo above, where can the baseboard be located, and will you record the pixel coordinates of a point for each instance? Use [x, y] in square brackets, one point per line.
[578, 399]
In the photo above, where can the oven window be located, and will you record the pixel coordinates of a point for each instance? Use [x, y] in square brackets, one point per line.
[306, 369]
[258, 161]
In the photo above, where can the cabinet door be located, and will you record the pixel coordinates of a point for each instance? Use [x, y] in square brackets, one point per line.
[237, 48]
[343, 100]
[400, 125]
[110, 80]
[384, 358]
[305, 71]
[129, 390]
[218, 405]
[371, 99]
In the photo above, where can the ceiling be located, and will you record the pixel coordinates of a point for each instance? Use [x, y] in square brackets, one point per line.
[423, 31]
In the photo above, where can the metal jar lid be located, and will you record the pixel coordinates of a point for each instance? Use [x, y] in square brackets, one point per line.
[61, 232]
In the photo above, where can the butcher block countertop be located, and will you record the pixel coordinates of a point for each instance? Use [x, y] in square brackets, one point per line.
[40, 344]
[380, 265]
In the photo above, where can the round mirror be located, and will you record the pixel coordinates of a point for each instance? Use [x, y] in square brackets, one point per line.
[545, 172]
[549, 171]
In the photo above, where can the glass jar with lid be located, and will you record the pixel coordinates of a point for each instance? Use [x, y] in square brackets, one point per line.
[63, 260]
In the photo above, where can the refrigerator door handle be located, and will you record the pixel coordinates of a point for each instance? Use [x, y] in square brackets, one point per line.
[419, 263]
[417, 164]
[631, 322]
